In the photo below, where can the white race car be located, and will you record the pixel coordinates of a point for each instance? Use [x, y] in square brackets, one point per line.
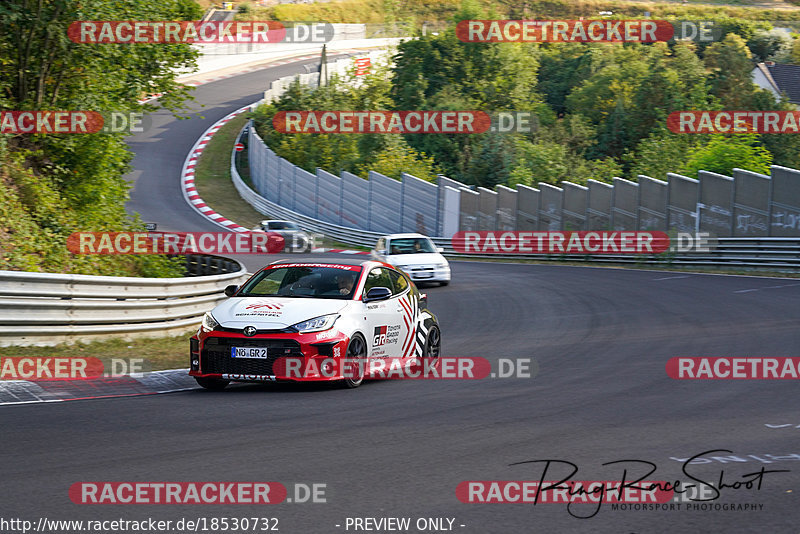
[414, 254]
[310, 321]
[295, 239]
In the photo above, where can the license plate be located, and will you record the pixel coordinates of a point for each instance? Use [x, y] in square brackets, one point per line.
[249, 352]
[422, 275]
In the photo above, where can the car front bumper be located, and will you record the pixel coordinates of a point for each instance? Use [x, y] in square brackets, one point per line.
[431, 274]
[290, 356]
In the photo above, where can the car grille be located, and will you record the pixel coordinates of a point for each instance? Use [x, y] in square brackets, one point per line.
[216, 355]
[421, 272]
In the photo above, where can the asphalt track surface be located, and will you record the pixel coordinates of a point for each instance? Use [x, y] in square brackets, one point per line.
[601, 338]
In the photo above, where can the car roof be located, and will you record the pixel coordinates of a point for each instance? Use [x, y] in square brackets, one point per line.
[399, 236]
[343, 261]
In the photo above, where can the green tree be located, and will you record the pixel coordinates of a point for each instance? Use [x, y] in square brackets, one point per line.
[724, 153]
[766, 44]
[795, 50]
[659, 153]
[563, 67]
[397, 157]
[731, 65]
[80, 177]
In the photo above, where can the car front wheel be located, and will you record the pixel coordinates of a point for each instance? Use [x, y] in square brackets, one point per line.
[431, 351]
[433, 346]
[355, 362]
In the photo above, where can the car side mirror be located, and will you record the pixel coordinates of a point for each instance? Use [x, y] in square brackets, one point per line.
[231, 291]
[440, 250]
[377, 293]
[423, 300]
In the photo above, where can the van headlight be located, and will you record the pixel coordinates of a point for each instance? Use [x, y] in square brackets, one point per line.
[317, 324]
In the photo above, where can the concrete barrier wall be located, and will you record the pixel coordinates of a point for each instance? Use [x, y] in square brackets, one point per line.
[419, 206]
[652, 204]
[744, 205]
[600, 200]
[384, 204]
[468, 210]
[506, 208]
[355, 201]
[575, 204]
[716, 203]
[785, 202]
[527, 208]
[487, 210]
[286, 184]
[550, 201]
[682, 194]
[624, 205]
[305, 192]
[750, 204]
[329, 197]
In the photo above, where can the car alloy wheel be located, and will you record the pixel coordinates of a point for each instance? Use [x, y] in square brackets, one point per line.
[433, 346]
[355, 362]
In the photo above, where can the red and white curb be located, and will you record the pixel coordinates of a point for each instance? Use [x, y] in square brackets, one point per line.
[29, 392]
[193, 197]
[187, 176]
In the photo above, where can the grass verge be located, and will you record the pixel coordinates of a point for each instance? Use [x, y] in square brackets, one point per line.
[157, 353]
[212, 176]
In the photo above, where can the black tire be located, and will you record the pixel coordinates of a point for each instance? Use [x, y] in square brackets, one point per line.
[212, 384]
[431, 351]
[433, 346]
[356, 350]
[444, 283]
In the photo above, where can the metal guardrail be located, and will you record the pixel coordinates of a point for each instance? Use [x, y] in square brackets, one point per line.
[778, 254]
[773, 253]
[46, 308]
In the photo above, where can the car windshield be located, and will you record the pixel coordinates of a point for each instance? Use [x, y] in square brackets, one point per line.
[281, 225]
[304, 280]
[411, 245]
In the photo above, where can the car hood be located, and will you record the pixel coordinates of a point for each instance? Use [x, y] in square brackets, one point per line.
[273, 312]
[429, 258]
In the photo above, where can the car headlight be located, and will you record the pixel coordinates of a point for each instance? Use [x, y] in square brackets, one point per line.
[441, 265]
[317, 324]
[209, 323]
